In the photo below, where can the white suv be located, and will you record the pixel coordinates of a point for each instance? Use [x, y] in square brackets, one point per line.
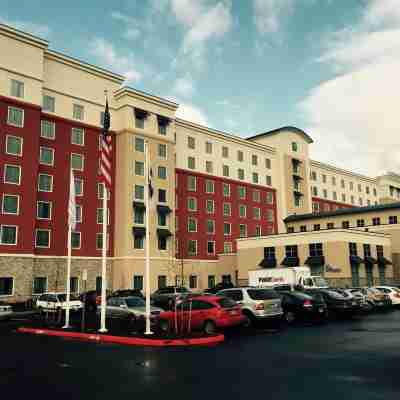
[57, 301]
[257, 303]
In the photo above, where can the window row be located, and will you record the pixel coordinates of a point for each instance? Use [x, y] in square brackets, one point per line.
[141, 117]
[138, 194]
[161, 148]
[343, 198]
[192, 248]
[140, 171]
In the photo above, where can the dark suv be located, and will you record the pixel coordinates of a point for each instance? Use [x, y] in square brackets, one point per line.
[165, 297]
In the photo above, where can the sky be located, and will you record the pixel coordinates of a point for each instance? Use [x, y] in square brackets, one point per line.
[329, 67]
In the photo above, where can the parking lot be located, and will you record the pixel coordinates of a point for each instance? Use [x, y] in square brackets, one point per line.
[355, 359]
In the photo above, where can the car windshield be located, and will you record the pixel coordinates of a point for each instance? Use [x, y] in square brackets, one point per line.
[226, 302]
[262, 294]
[320, 281]
[63, 297]
[135, 302]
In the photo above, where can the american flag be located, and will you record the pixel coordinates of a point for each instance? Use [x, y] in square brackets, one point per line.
[105, 157]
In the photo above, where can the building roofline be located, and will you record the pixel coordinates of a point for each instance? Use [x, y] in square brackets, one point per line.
[24, 36]
[224, 135]
[343, 211]
[279, 130]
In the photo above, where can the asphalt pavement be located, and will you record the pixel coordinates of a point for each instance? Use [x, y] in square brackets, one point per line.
[351, 359]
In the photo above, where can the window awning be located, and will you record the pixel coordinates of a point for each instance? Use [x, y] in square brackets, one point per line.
[141, 113]
[161, 232]
[384, 261]
[163, 120]
[268, 262]
[297, 177]
[139, 204]
[296, 161]
[356, 260]
[163, 209]
[370, 260]
[315, 261]
[290, 261]
[297, 193]
[139, 231]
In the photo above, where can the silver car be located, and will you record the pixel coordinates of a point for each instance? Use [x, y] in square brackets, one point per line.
[257, 304]
[5, 311]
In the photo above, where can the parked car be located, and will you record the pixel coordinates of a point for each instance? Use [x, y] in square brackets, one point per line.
[165, 297]
[57, 301]
[356, 302]
[257, 304]
[392, 292]
[336, 303]
[218, 287]
[207, 313]
[377, 298]
[127, 293]
[362, 299]
[5, 311]
[303, 306]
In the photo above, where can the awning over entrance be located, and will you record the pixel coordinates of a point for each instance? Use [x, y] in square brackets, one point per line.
[370, 260]
[290, 261]
[384, 261]
[355, 260]
[268, 262]
[315, 261]
[163, 233]
[139, 231]
[163, 209]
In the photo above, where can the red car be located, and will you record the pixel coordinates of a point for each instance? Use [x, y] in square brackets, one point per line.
[207, 313]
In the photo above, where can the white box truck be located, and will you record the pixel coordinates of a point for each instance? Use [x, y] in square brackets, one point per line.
[286, 276]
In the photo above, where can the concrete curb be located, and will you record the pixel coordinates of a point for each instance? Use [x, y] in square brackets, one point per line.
[129, 341]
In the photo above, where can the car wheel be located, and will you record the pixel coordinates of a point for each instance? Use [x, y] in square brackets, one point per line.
[209, 327]
[290, 317]
[164, 325]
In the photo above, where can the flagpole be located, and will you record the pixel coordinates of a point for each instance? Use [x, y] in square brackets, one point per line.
[147, 247]
[104, 264]
[67, 309]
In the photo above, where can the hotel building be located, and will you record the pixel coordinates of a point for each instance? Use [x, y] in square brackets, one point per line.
[220, 203]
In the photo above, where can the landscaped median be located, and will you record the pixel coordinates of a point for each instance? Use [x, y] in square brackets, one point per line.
[124, 340]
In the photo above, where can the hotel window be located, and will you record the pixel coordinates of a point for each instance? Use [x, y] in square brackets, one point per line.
[315, 249]
[334, 195]
[78, 112]
[209, 167]
[162, 196]
[209, 186]
[139, 192]
[139, 214]
[343, 197]
[270, 216]
[78, 136]
[242, 230]
[43, 210]
[8, 234]
[303, 228]
[15, 117]
[325, 193]
[227, 209]
[225, 170]
[77, 162]
[42, 238]
[268, 180]
[162, 281]
[330, 225]
[139, 168]
[78, 213]
[313, 176]
[13, 145]
[192, 204]
[208, 147]
[17, 89]
[6, 286]
[317, 227]
[162, 219]
[138, 242]
[315, 207]
[323, 178]
[242, 211]
[374, 191]
[191, 142]
[291, 251]
[351, 184]
[360, 223]
[359, 187]
[10, 204]
[367, 250]
[45, 183]
[39, 285]
[240, 155]
[367, 189]
[46, 156]
[242, 192]
[345, 224]
[210, 206]
[99, 216]
[297, 201]
[76, 240]
[210, 226]
[254, 159]
[162, 125]
[78, 186]
[315, 191]
[270, 198]
[12, 174]
[368, 202]
[192, 247]
[352, 199]
[290, 229]
[294, 146]
[140, 116]
[376, 221]
[227, 247]
[257, 213]
[225, 152]
[256, 196]
[49, 104]
[210, 247]
[267, 163]
[342, 184]
[139, 144]
[47, 129]
[191, 163]
[255, 177]
[360, 201]
[226, 189]
[240, 172]
[393, 219]
[162, 151]
[258, 230]
[227, 229]
[191, 182]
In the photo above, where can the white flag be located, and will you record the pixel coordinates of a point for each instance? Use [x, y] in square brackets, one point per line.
[71, 203]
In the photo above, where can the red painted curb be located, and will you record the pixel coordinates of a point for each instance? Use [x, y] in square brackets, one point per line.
[130, 341]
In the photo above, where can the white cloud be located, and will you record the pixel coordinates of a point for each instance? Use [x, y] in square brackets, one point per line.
[269, 14]
[29, 27]
[131, 26]
[189, 112]
[184, 86]
[353, 117]
[123, 64]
